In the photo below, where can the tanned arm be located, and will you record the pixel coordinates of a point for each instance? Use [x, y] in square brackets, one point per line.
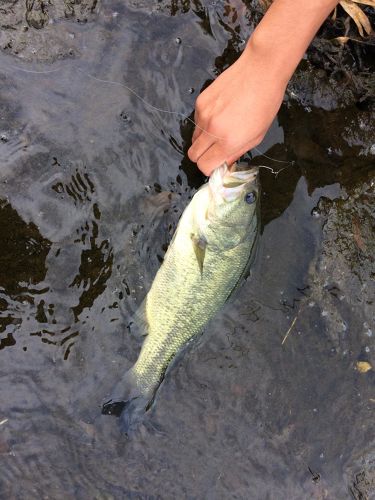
[234, 113]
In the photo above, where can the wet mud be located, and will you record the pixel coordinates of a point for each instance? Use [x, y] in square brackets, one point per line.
[33, 30]
[272, 401]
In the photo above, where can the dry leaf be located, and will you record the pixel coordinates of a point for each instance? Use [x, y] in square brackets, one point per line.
[341, 39]
[363, 366]
[358, 16]
[371, 3]
[351, 7]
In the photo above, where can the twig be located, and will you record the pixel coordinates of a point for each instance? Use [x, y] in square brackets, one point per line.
[290, 329]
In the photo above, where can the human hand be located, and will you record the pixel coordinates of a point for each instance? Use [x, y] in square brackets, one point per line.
[234, 113]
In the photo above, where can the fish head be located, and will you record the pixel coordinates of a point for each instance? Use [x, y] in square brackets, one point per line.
[233, 209]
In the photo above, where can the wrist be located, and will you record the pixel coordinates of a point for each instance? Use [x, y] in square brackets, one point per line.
[269, 59]
[281, 38]
[264, 62]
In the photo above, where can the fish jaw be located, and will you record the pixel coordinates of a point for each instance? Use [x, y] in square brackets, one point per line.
[231, 218]
[227, 184]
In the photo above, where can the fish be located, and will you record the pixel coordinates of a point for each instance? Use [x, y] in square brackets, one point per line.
[209, 256]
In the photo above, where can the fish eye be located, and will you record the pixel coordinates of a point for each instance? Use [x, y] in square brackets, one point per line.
[250, 197]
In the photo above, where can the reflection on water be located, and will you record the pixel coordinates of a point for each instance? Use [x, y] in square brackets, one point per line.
[92, 183]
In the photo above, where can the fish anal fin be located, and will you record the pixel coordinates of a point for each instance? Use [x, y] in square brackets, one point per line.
[199, 245]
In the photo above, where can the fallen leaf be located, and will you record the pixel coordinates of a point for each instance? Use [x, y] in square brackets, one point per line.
[358, 16]
[371, 3]
[363, 366]
[341, 39]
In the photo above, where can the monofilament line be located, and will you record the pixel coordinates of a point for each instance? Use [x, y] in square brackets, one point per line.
[150, 106]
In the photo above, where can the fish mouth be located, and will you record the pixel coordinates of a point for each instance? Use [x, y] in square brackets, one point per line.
[238, 176]
[230, 182]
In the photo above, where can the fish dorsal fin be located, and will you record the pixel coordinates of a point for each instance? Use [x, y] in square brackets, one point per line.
[199, 245]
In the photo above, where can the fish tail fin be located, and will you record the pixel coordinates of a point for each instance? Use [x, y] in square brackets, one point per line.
[128, 403]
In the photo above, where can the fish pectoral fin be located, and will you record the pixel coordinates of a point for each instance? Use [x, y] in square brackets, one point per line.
[199, 245]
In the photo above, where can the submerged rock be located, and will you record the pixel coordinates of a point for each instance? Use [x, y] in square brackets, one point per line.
[343, 278]
[33, 31]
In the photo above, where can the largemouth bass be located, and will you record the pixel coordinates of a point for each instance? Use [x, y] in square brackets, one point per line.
[209, 254]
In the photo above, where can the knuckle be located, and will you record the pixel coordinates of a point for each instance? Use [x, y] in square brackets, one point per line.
[199, 101]
[192, 155]
[200, 105]
[216, 130]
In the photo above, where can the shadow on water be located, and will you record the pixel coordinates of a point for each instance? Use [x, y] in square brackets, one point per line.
[269, 402]
[23, 256]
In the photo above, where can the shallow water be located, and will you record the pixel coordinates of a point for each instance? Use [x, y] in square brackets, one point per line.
[85, 218]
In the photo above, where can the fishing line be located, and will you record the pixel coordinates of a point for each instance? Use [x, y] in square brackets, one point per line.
[275, 172]
[129, 89]
[273, 159]
[151, 106]
[148, 104]
[35, 71]
[176, 113]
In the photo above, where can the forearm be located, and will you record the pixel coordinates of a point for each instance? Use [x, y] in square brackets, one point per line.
[282, 37]
[234, 113]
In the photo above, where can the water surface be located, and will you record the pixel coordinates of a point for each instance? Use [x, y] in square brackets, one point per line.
[93, 180]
